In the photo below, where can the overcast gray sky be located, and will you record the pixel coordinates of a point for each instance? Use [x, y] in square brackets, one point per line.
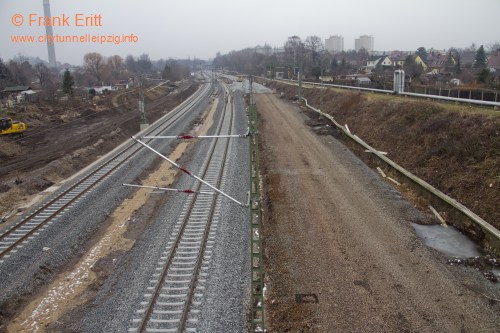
[200, 28]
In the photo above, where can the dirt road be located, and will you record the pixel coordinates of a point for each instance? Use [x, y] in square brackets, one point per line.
[341, 255]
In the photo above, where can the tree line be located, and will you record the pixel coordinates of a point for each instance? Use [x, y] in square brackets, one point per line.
[96, 70]
[315, 60]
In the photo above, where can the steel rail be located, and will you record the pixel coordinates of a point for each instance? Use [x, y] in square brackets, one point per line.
[13, 237]
[172, 255]
[195, 276]
[189, 173]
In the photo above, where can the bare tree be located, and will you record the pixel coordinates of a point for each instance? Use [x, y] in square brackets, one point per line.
[174, 71]
[131, 64]
[493, 47]
[412, 69]
[21, 72]
[472, 48]
[115, 64]
[42, 73]
[94, 64]
[295, 50]
[82, 77]
[48, 82]
[314, 46]
[144, 64]
[50, 86]
[5, 75]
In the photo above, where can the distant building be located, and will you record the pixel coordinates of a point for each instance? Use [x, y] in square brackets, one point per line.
[399, 58]
[494, 60]
[104, 89]
[13, 91]
[268, 50]
[27, 96]
[398, 61]
[334, 44]
[364, 42]
[374, 61]
[363, 80]
[265, 50]
[439, 60]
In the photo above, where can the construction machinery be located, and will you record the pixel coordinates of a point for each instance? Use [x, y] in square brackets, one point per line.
[9, 126]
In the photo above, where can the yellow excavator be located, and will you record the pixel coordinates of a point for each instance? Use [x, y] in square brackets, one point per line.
[8, 126]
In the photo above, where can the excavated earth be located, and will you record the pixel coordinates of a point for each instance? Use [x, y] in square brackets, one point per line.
[63, 138]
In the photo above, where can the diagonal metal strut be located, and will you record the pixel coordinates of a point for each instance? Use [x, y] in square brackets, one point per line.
[189, 173]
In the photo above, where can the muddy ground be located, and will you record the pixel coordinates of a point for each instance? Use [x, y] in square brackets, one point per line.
[340, 252]
[455, 148]
[63, 138]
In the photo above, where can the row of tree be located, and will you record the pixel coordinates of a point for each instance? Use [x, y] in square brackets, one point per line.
[96, 70]
[100, 69]
[315, 59]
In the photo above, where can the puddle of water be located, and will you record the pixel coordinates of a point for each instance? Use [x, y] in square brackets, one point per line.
[447, 240]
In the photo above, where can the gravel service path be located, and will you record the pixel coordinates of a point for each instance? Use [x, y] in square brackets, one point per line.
[341, 255]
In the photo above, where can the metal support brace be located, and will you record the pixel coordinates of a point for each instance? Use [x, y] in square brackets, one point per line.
[188, 172]
[256, 250]
[189, 137]
[168, 189]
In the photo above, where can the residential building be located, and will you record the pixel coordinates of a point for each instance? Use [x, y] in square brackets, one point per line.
[438, 61]
[422, 63]
[398, 61]
[13, 91]
[363, 80]
[494, 60]
[334, 44]
[104, 89]
[399, 57]
[364, 42]
[374, 61]
[27, 96]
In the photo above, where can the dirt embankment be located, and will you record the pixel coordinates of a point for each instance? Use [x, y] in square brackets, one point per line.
[340, 253]
[64, 138]
[455, 148]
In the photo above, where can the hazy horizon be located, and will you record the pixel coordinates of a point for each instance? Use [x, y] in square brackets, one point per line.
[195, 28]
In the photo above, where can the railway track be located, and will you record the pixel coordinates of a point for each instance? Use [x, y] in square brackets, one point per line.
[29, 161]
[173, 300]
[36, 221]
